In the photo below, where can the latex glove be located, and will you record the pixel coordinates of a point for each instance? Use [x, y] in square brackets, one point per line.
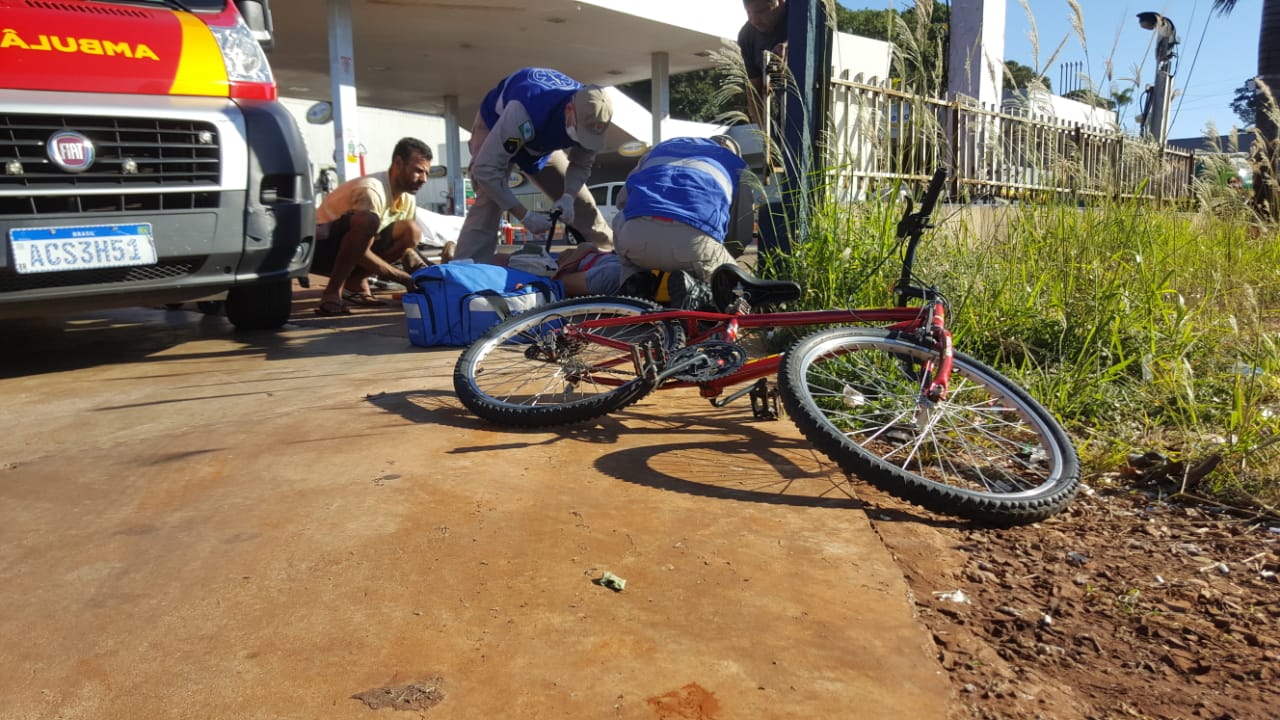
[565, 206]
[536, 223]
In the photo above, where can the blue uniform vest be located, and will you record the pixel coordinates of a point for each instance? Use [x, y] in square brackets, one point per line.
[544, 94]
[691, 180]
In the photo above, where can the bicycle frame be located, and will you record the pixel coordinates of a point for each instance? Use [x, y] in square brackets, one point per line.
[928, 320]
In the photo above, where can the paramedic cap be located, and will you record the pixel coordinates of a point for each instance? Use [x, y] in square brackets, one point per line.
[594, 111]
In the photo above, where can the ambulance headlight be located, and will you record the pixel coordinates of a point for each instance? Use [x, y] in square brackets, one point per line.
[244, 58]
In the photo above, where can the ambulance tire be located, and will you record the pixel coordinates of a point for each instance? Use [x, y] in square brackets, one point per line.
[264, 306]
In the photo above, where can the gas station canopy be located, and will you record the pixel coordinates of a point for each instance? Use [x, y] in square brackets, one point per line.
[412, 54]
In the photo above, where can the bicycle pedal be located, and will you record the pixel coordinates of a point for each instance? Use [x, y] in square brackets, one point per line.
[764, 401]
[646, 366]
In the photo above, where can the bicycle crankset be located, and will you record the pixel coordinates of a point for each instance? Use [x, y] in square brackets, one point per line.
[704, 361]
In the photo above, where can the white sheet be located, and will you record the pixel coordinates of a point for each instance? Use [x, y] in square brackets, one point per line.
[438, 229]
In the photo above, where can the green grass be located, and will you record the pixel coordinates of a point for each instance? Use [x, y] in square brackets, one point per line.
[1141, 328]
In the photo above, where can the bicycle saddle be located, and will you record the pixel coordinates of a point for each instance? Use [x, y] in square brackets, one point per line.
[729, 277]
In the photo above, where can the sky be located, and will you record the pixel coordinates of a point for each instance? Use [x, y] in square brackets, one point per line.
[1216, 55]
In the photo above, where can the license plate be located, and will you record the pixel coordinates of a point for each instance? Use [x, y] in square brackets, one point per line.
[59, 249]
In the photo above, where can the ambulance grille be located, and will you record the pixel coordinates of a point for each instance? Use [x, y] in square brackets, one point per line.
[133, 157]
[168, 269]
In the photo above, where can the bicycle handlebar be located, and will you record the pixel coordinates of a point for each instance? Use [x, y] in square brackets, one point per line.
[935, 190]
[911, 228]
[553, 216]
[914, 223]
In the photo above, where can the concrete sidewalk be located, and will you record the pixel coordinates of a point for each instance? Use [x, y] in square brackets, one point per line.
[201, 524]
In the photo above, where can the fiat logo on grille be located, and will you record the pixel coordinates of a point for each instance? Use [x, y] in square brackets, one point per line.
[70, 151]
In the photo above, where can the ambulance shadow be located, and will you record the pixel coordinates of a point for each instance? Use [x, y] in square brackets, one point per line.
[31, 346]
[118, 336]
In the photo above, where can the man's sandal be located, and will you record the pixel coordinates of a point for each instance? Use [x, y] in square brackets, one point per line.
[329, 308]
[362, 299]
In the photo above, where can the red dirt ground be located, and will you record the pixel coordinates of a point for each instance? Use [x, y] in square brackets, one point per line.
[1121, 607]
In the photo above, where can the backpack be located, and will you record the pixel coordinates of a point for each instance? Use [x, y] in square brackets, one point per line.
[455, 303]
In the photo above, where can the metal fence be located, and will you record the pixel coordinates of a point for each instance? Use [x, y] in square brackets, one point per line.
[878, 135]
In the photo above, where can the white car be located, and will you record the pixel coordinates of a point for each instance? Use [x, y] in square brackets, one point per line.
[605, 194]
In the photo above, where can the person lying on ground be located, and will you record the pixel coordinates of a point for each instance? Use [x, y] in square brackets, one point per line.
[587, 270]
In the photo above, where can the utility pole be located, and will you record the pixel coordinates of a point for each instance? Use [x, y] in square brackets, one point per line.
[1154, 120]
[976, 69]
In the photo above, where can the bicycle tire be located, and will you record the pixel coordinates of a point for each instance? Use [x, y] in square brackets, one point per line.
[989, 451]
[523, 372]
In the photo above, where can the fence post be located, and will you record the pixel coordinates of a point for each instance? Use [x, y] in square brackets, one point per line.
[954, 182]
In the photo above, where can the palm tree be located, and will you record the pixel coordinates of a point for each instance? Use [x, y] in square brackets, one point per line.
[1265, 110]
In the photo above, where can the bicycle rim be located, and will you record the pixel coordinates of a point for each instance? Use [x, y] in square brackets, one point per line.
[987, 452]
[527, 371]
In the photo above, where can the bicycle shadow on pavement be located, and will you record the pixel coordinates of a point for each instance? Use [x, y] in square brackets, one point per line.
[737, 458]
[441, 408]
[424, 407]
[767, 463]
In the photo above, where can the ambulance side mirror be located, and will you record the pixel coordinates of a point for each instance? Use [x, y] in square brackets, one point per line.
[257, 15]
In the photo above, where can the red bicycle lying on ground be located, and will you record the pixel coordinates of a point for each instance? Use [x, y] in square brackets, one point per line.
[893, 404]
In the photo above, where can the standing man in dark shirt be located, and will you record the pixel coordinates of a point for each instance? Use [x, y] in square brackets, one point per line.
[765, 29]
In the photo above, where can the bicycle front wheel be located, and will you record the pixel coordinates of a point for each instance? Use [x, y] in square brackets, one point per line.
[987, 452]
[527, 371]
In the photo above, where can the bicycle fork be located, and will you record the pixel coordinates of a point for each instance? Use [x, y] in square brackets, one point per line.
[935, 375]
[938, 380]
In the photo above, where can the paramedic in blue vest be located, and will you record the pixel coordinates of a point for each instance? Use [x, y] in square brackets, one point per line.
[683, 201]
[551, 127]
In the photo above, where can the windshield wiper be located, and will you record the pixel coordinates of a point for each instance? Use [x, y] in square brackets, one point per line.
[174, 4]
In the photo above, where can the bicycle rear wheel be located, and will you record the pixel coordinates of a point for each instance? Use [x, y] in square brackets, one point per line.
[527, 371]
[988, 452]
